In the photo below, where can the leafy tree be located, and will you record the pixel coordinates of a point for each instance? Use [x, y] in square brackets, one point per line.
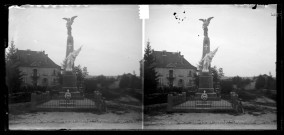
[221, 73]
[104, 81]
[136, 82]
[271, 83]
[265, 82]
[13, 74]
[125, 81]
[240, 82]
[90, 85]
[150, 75]
[217, 75]
[130, 81]
[237, 81]
[226, 86]
[260, 82]
[80, 74]
[85, 71]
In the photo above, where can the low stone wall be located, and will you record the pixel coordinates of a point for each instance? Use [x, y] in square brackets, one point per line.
[175, 100]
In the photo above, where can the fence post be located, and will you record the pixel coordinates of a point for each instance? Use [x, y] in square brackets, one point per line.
[47, 95]
[170, 102]
[33, 100]
[184, 96]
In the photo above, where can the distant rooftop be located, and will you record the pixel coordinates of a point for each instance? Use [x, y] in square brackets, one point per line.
[166, 59]
[30, 58]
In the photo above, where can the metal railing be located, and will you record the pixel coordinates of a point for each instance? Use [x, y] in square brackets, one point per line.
[181, 102]
[56, 101]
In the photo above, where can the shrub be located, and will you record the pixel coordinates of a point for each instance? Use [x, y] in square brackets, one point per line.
[226, 87]
[156, 98]
[20, 97]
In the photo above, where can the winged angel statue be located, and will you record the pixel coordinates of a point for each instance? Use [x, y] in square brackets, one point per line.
[206, 61]
[71, 58]
[206, 22]
[69, 23]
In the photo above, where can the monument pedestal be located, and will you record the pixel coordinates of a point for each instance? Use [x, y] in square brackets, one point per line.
[206, 86]
[70, 83]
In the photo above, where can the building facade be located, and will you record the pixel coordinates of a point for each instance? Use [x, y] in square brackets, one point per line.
[173, 70]
[37, 68]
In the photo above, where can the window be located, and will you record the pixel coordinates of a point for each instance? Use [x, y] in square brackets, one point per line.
[44, 82]
[189, 73]
[34, 72]
[180, 83]
[171, 73]
[190, 82]
[54, 81]
[54, 73]
[160, 82]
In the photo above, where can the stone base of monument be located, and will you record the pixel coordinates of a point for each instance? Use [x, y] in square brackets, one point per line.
[69, 81]
[206, 86]
[211, 96]
[205, 80]
[74, 95]
[203, 104]
[66, 102]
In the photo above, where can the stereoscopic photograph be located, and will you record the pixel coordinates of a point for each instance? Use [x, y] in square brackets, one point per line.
[74, 67]
[142, 67]
[210, 67]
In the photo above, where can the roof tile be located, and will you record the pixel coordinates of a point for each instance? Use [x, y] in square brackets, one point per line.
[171, 59]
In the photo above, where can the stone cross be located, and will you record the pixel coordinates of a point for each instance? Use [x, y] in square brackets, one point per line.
[206, 46]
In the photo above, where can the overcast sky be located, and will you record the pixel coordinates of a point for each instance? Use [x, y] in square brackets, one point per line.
[246, 37]
[111, 35]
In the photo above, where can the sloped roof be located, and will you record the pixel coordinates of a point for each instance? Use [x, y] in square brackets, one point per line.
[30, 58]
[164, 59]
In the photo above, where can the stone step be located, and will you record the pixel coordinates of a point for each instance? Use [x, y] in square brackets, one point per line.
[65, 102]
[203, 104]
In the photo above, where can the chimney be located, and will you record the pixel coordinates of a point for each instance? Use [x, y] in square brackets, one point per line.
[181, 59]
[46, 57]
[28, 56]
[164, 53]
[163, 56]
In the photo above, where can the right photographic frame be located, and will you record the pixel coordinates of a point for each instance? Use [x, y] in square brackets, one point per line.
[210, 67]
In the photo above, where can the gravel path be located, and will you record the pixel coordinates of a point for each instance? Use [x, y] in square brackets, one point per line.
[210, 121]
[75, 120]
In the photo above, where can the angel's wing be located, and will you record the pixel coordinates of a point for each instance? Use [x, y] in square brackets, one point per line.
[65, 19]
[209, 19]
[73, 18]
[77, 51]
[203, 20]
[214, 52]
